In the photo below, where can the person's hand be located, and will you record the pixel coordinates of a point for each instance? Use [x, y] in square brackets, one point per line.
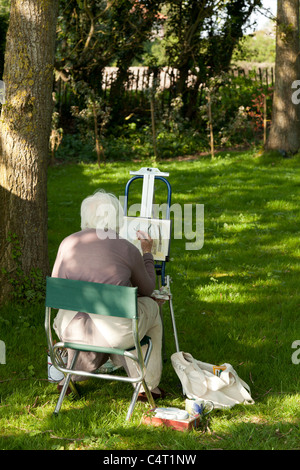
[146, 241]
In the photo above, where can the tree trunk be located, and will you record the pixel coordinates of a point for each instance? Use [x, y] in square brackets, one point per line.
[24, 138]
[285, 129]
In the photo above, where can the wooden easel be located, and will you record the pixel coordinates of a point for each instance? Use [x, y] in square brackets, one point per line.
[149, 175]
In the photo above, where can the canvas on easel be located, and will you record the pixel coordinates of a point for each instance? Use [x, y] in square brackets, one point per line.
[158, 229]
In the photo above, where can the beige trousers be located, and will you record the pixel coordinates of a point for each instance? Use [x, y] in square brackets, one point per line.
[117, 333]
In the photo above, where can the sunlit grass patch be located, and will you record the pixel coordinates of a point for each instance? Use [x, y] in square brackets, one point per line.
[236, 300]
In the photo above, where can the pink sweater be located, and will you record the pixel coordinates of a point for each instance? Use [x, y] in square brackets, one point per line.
[108, 260]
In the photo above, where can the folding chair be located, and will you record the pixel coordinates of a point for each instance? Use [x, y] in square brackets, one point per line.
[101, 299]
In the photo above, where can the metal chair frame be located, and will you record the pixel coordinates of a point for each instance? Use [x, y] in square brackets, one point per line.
[101, 299]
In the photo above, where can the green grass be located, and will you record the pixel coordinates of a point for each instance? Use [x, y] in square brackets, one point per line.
[236, 300]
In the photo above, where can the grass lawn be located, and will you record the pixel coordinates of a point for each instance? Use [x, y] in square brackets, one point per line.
[236, 300]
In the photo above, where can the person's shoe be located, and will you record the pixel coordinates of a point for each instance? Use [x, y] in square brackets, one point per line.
[59, 388]
[156, 396]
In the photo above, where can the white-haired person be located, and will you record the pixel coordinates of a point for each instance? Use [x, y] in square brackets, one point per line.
[97, 253]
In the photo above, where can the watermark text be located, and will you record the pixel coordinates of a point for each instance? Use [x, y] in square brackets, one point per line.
[187, 223]
[2, 92]
[296, 354]
[2, 352]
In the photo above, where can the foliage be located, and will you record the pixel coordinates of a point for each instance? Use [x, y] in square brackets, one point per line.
[118, 34]
[112, 31]
[4, 16]
[132, 142]
[238, 111]
[258, 47]
[55, 136]
[4, 6]
[26, 288]
[200, 39]
[93, 118]
[197, 37]
[237, 115]
[257, 110]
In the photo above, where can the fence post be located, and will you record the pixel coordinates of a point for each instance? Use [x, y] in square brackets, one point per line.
[212, 149]
[265, 119]
[153, 125]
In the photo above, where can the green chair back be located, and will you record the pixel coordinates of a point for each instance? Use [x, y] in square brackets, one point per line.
[91, 297]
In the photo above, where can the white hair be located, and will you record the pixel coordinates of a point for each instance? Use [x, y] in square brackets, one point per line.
[101, 211]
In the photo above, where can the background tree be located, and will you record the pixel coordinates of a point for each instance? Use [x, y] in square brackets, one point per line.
[4, 16]
[24, 139]
[257, 47]
[200, 39]
[285, 128]
[134, 26]
[94, 34]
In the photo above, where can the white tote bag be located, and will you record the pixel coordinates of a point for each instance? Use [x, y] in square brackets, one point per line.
[218, 384]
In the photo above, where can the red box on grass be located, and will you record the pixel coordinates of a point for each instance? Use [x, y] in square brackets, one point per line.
[179, 424]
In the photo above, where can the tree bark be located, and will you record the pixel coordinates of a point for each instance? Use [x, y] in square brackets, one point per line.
[285, 128]
[24, 138]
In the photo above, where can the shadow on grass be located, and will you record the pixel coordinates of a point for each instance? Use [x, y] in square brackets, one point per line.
[94, 424]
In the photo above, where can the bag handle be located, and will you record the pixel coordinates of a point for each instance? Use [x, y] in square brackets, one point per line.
[243, 387]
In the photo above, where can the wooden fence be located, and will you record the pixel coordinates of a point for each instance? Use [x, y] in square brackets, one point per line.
[264, 75]
[142, 78]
